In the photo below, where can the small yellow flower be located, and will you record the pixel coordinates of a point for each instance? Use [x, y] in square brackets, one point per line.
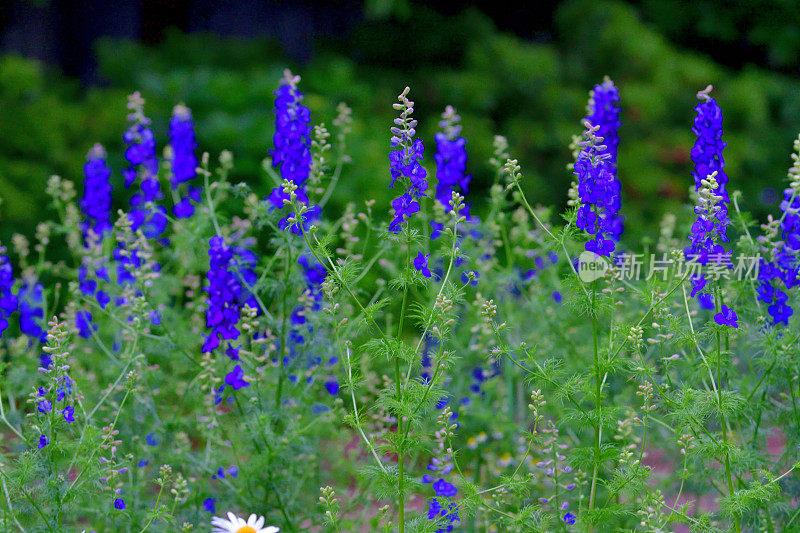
[234, 524]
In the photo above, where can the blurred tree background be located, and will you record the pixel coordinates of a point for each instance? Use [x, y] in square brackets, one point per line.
[511, 71]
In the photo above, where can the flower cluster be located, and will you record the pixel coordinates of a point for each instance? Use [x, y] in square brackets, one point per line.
[441, 508]
[405, 163]
[292, 152]
[451, 159]
[598, 190]
[230, 268]
[31, 300]
[710, 228]
[603, 112]
[8, 301]
[779, 271]
[183, 159]
[143, 163]
[705, 241]
[55, 397]
[96, 200]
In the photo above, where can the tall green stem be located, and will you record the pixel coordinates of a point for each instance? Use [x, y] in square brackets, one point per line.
[397, 379]
[597, 391]
[723, 421]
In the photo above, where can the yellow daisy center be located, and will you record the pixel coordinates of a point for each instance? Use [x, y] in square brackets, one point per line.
[246, 529]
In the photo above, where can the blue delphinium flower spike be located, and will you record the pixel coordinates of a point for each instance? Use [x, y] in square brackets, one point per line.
[405, 163]
[710, 229]
[779, 268]
[598, 191]
[183, 160]
[8, 301]
[230, 266]
[451, 160]
[603, 112]
[143, 163]
[96, 200]
[292, 152]
[31, 313]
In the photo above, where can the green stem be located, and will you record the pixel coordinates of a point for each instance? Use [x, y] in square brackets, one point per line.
[723, 421]
[598, 406]
[398, 392]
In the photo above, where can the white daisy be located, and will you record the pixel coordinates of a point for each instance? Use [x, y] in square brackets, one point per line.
[234, 524]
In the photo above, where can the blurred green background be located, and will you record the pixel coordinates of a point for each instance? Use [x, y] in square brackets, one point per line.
[532, 90]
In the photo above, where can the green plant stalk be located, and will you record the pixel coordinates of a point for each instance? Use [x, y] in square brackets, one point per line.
[398, 391]
[723, 421]
[283, 328]
[598, 406]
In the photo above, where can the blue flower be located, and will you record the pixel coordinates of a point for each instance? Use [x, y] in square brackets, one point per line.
[443, 488]
[235, 378]
[404, 206]
[405, 163]
[781, 271]
[710, 228]
[569, 518]
[598, 190]
[183, 160]
[96, 200]
[603, 112]
[451, 160]
[43, 441]
[332, 386]
[44, 406]
[69, 414]
[292, 152]
[83, 320]
[229, 265]
[119, 504]
[151, 439]
[421, 264]
[143, 164]
[726, 317]
[8, 302]
[31, 310]
[210, 505]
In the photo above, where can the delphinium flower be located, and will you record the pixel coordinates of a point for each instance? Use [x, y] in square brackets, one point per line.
[143, 164]
[710, 229]
[421, 264]
[451, 160]
[183, 160]
[292, 152]
[726, 317]
[553, 464]
[96, 200]
[234, 524]
[229, 267]
[603, 112]
[441, 508]
[8, 301]
[90, 271]
[405, 163]
[780, 246]
[314, 275]
[31, 313]
[598, 191]
[55, 397]
[705, 246]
